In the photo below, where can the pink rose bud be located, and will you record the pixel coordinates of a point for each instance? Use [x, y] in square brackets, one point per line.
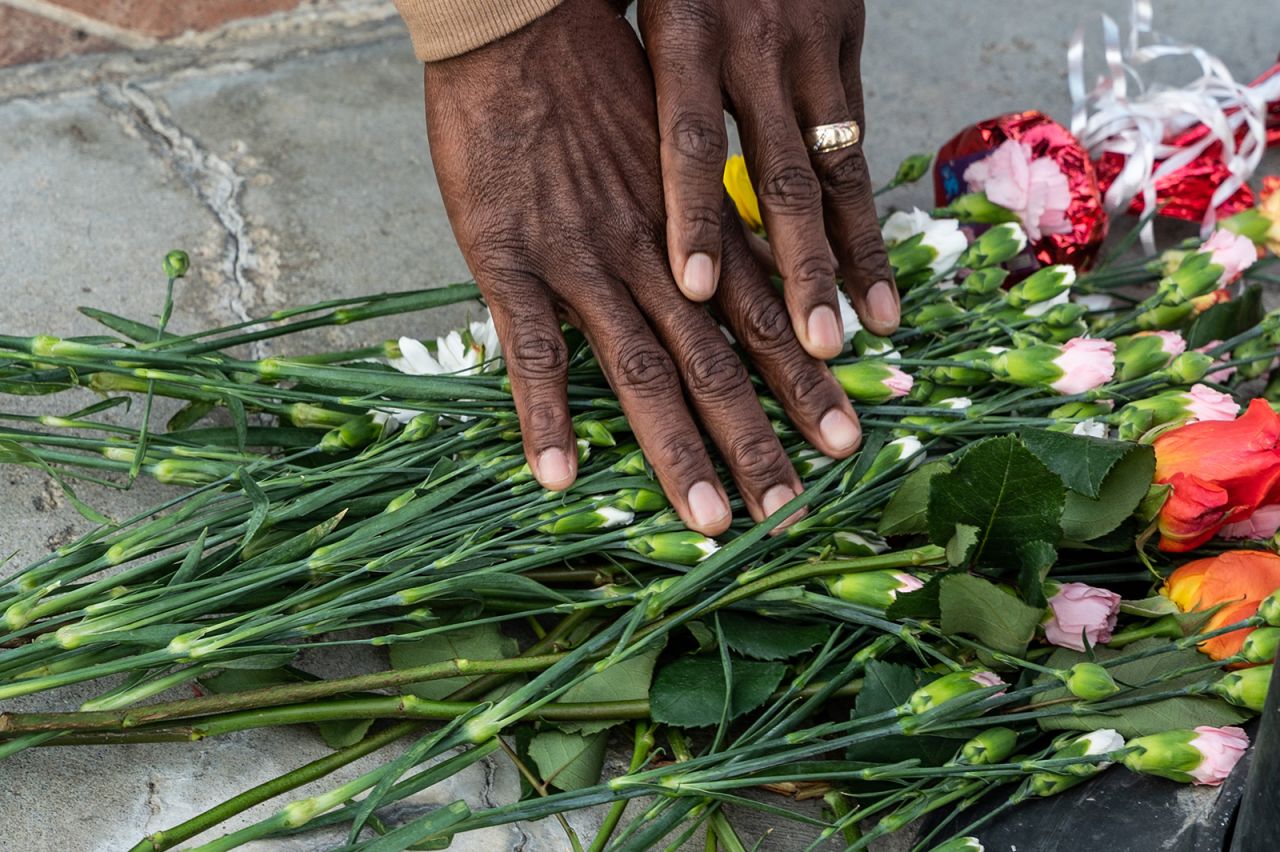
[1232, 252]
[1086, 363]
[1205, 403]
[1263, 523]
[1077, 612]
[1222, 749]
[1032, 187]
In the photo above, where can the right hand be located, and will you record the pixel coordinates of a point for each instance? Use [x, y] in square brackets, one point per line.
[545, 145]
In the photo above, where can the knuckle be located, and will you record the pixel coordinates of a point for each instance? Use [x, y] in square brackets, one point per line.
[869, 254]
[682, 20]
[823, 29]
[765, 324]
[698, 139]
[790, 187]
[645, 369]
[543, 419]
[757, 456]
[770, 33]
[715, 375]
[538, 355]
[701, 226]
[809, 389]
[683, 455]
[845, 178]
[813, 275]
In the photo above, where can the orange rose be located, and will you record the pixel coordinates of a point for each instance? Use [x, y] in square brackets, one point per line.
[1221, 472]
[1236, 581]
[1270, 208]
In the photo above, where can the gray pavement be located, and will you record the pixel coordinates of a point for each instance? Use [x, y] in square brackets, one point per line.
[288, 156]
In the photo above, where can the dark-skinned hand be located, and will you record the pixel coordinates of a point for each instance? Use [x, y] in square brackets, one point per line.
[779, 66]
[545, 145]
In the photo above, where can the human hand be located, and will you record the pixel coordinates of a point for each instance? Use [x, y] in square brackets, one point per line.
[780, 66]
[545, 145]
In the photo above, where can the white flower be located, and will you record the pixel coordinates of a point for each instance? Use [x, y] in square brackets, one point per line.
[956, 403]
[848, 317]
[614, 517]
[942, 235]
[454, 354]
[909, 449]
[1040, 308]
[1096, 301]
[1101, 741]
[1092, 428]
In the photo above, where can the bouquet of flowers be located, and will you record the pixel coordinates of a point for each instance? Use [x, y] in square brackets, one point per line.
[1054, 552]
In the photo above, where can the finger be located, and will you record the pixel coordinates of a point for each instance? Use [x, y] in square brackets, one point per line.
[693, 147]
[757, 318]
[642, 375]
[720, 391]
[537, 365]
[791, 205]
[827, 83]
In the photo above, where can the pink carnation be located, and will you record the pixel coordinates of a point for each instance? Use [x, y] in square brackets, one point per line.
[1086, 363]
[1222, 749]
[1033, 187]
[1205, 403]
[1217, 375]
[985, 679]
[1174, 344]
[1078, 611]
[910, 583]
[898, 382]
[1263, 523]
[1233, 252]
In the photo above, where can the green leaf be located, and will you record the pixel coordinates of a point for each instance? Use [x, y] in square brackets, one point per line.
[340, 733]
[569, 761]
[907, 510]
[767, 639]
[922, 603]
[1004, 491]
[1165, 715]
[691, 691]
[189, 415]
[261, 505]
[961, 545]
[1084, 518]
[628, 680]
[1081, 461]
[475, 642]
[1152, 607]
[884, 687]
[1226, 320]
[981, 609]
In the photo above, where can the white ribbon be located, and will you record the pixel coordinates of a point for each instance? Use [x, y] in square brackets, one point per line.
[1109, 119]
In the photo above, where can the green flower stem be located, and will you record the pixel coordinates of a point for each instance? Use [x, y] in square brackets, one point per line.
[644, 743]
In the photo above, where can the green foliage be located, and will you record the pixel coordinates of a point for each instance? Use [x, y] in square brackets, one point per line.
[1124, 487]
[908, 509]
[1003, 490]
[569, 761]
[978, 608]
[884, 687]
[767, 639]
[1164, 715]
[627, 680]
[691, 692]
[474, 642]
[1082, 462]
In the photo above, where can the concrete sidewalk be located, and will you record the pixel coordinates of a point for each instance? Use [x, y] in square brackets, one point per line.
[288, 156]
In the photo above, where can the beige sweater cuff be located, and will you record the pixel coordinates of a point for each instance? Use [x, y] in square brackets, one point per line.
[444, 28]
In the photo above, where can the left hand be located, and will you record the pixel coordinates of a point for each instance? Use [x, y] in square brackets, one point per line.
[780, 66]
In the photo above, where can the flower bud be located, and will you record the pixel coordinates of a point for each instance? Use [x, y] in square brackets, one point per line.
[875, 589]
[1269, 609]
[421, 427]
[1041, 286]
[941, 311]
[1260, 645]
[961, 844]
[1098, 743]
[595, 433]
[176, 264]
[1258, 349]
[1091, 682]
[872, 382]
[968, 376]
[1079, 365]
[1078, 612]
[641, 500]
[632, 463]
[891, 456]
[304, 415]
[868, 345]
[911, 169]
[921, 246]
[950, 686]
[991, 746]
[1203, 756]
[976, 207]
[1147, 351]
[1189, 367]
[1245, 688]
[187, 471]
[682, 547]
[355, 433]
[1197, 275]
[982, 282]
[994, 246]
[583, 518]
[849, 543]
[1250, 223]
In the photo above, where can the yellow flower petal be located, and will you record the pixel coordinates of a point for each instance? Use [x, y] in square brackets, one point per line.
[738, 184]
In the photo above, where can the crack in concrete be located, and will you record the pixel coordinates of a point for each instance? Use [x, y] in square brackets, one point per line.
[213, 180]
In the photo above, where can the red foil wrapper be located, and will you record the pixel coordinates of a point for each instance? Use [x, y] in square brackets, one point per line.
[1047, 138]
[1187, 192]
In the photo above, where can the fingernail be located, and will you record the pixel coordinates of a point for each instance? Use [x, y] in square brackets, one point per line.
[776, 497]
[553, 468]
[706, 505]
[699, 276]
[882, 303]
[838, 430]
[824, 330]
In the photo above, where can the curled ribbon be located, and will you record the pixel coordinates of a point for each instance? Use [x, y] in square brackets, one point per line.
[1159, 130]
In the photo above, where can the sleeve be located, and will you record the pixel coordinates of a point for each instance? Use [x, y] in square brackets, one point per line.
[444, 28]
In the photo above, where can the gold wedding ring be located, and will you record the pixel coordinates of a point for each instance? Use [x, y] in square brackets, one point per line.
[826, 138]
